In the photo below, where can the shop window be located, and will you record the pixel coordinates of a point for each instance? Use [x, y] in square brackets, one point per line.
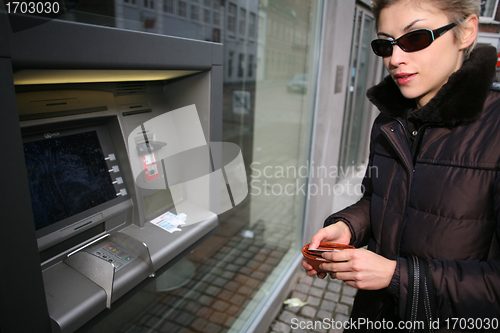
[260, 238]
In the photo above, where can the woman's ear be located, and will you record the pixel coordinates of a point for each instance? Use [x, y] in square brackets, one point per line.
[468, 31]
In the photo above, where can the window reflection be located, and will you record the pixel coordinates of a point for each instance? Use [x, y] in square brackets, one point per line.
[182, 9]
[231, 18]
[269, 70]
[243, 22]
[168, 6]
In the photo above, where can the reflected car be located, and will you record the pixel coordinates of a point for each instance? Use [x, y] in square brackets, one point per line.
[297, 84]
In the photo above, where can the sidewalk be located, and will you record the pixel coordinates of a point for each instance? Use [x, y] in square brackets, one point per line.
[327, 300]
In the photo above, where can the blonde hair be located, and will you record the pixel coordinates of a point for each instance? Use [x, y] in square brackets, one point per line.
[455, 10]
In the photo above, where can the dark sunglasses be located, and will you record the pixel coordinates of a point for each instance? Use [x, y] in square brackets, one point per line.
[413, 41]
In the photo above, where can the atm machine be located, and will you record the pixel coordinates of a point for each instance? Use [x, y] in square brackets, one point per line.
[88, 112]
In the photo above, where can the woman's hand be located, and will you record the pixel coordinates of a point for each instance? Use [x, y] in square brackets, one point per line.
[360, 268]
[335, 233]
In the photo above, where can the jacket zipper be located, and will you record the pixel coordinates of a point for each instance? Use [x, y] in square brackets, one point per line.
[409, 169]
[416, 144]
[407, 203]
[414, 153]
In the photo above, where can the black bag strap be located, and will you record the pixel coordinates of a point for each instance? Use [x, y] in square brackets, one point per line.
[421, 301]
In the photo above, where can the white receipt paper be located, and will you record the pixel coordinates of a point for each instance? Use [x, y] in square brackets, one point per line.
[169, 221]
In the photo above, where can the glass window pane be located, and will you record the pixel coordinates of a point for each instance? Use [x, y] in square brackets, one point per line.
[488, 8]
[243, 22]
[216, 20]
[251, 25]
[195, 13]
[182, 8]
[268, 102]
[355, 113]
[168, 6]
[241, 65]
[231, 18]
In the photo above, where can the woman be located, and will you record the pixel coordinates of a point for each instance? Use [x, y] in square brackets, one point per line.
[430, 212]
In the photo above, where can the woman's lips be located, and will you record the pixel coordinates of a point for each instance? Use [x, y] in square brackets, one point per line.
[404, 78]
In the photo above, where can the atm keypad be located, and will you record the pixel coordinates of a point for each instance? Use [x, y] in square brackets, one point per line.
[115, 254]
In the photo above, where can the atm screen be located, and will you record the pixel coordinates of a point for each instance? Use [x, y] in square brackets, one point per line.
[67, 175]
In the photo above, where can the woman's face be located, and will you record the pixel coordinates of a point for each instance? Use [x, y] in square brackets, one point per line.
[419, 75]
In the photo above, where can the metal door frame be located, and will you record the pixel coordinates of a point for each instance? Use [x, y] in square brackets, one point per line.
[359, 23]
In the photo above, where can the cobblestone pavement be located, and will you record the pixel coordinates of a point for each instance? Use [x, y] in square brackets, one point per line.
[327, 300]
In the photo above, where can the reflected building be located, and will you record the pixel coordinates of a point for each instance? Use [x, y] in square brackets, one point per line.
[285, 38]
[240, 40]
[489, 29]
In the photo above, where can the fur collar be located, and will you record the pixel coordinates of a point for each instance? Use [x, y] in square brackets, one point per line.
[458, 102]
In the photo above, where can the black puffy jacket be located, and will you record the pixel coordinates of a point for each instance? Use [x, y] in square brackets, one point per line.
[434, 207]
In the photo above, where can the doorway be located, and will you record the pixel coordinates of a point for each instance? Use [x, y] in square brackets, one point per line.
[357, 119]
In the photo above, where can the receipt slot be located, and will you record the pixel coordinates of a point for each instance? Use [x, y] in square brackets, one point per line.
[73, 189]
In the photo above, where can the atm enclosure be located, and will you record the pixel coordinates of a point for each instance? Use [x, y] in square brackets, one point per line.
[76, 234]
